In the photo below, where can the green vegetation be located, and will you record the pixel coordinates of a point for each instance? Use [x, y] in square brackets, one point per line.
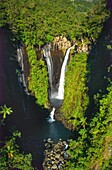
[38, 79]
[5, 111]
[3, 16]
[36, 22]
[10, 156]
[76, 99]
[93, 148]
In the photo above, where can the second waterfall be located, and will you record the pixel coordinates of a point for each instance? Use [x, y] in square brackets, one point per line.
[56, 92]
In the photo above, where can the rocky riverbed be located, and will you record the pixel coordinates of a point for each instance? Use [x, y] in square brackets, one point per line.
[55, 154]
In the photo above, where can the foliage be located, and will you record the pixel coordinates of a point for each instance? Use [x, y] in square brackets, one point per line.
[3, 17]
[38, 22]
[101, 130]
[35, 22]
[11, 158]
[76, 99]
[5, 111]
[38, 79]
[95, 20]
[93, 148]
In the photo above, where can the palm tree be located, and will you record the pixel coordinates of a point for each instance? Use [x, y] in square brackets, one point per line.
[5, 111]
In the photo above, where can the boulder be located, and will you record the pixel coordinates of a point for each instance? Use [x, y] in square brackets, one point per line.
[57, 156]
[54, 167]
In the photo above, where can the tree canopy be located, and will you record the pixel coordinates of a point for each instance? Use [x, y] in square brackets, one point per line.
[76, 99]
[93, 148]
[38, 21]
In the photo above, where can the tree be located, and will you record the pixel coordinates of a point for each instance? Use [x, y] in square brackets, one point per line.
[5, 111]
[93, 147]
[32, 22]
[38, 79]
[10, 156]
[76, 98]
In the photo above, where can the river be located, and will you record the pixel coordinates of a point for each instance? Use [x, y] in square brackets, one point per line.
[27, 117]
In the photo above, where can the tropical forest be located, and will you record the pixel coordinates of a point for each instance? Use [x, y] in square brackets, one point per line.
[56, 85]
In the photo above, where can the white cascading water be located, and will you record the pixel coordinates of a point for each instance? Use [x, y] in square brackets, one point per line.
[48, 59]
[21, 62]
[51, 116]
[59, 95]
[62, 76]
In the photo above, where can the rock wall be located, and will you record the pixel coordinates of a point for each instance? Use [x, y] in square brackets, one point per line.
[61, 43]
[82, 47]
[23, 72]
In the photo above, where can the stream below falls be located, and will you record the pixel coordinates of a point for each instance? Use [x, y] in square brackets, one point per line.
[27, 117]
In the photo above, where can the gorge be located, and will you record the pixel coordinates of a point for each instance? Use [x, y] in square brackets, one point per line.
[52, 103]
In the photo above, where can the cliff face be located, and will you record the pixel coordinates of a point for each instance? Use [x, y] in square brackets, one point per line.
[23, 71]
[62, 43]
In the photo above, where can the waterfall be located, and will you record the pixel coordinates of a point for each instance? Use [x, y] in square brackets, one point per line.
[55, 97]
[60, 95]
[51, 116]
[21, 76]
[47, 56]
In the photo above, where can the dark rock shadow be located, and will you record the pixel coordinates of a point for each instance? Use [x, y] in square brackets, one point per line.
[99, 66]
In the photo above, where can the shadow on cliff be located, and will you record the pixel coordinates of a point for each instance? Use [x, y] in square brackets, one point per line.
[100, 65]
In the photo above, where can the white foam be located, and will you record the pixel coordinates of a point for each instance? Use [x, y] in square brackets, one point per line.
[51, 116]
